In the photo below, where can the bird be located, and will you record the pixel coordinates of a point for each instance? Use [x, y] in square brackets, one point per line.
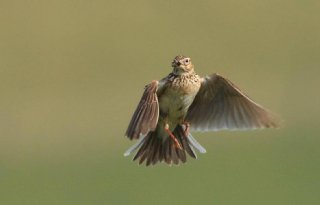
[181, 102]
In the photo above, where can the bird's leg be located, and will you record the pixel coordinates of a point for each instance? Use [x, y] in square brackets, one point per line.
[176, 142]
[187, 128]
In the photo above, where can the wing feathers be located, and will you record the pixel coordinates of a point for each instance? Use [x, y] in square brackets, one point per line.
[220, 105]
[146, 115]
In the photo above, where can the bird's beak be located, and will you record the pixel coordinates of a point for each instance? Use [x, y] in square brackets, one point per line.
[176, 64]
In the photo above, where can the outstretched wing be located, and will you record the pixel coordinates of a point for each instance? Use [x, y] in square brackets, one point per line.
[219, 105]
[145, 118]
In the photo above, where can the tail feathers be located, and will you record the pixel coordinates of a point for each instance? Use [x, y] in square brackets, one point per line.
[134, 147]
[153, 148]
[195, 144]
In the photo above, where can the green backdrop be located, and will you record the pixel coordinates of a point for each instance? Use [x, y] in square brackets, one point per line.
[72, 73]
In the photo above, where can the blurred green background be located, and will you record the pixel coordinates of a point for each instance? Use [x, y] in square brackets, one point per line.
[72, 72]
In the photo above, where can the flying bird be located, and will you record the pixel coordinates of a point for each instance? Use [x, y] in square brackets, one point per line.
[182, 102]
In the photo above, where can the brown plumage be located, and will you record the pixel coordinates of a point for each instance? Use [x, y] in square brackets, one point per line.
[183, 100]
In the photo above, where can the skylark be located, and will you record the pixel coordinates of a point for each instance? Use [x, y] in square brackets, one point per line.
[183, 102]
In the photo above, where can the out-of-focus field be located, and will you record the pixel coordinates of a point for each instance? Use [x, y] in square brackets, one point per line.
[72, 72]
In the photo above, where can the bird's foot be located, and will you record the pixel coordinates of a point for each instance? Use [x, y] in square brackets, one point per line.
[187, 128]
[176, 142]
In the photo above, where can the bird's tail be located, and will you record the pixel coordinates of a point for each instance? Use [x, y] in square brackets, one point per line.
[153, 148]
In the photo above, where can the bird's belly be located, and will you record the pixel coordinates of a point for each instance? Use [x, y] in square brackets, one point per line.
[174, 106]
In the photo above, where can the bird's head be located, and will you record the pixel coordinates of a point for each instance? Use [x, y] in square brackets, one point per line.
[182, 64]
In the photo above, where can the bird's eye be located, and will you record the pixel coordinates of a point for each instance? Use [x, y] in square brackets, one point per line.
[187, 60]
